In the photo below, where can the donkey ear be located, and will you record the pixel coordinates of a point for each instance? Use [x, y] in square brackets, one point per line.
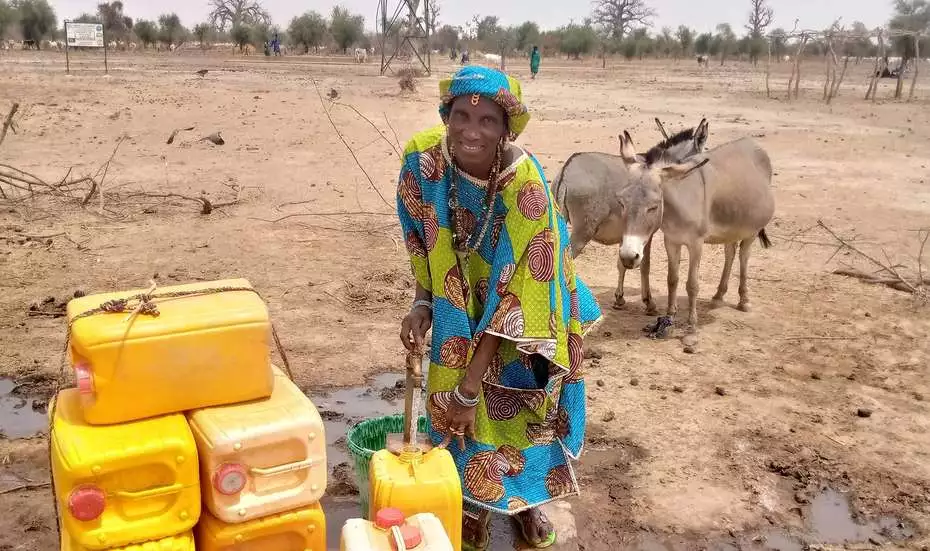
[700, 135]
[626, 148]
[682, 169]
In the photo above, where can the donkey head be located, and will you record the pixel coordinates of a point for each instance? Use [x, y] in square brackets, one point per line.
[641, 202]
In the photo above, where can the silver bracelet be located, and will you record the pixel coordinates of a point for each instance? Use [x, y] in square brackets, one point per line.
[462, 400]
[427, 303]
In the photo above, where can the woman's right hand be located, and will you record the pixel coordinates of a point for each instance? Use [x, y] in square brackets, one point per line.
[414, 327]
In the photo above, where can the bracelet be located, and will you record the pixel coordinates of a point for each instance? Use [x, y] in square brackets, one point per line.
[427, 303]
[462, 400]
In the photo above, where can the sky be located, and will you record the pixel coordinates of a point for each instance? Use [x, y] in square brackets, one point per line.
[702, 15]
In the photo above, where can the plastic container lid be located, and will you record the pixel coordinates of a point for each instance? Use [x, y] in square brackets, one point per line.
[230, 479]
[412, 536]
[85, 379]
[86, 503]
[388, 518]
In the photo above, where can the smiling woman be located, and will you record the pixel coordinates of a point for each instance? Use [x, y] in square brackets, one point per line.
[496, 283]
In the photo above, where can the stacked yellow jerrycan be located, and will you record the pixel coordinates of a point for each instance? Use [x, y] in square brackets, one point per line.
[263, 472]
[415, 481]
[125, 463]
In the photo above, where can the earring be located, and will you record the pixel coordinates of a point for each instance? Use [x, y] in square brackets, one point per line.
[475, 98]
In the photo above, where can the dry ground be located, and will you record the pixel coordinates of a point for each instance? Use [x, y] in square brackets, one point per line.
[684, 465]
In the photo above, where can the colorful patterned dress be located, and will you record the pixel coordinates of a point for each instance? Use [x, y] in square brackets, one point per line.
[521, 285]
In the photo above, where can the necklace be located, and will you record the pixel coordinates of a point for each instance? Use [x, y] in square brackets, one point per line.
[461, 240]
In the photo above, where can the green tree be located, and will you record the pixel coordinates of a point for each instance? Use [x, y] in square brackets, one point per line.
[703, 44]
[171, 31]
[147, 32]
[36, 19]
[447, 38]
[860, 46]
[259, 33]
[685, 37]
[726, 41]
[628, 47]
[486, 28]
[116, 23]
[550, 43]
[527, 36]
[578, 40]
[914, 16]
[88, 18]
[7, 17]
[308, 30]
[645, 45]
[241, 35]
[779, 40]
[346, 28]
[203, 32]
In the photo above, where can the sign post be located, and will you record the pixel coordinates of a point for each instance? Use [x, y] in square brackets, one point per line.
[85, 35]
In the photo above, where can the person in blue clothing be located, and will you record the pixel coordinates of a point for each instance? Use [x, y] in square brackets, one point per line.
[276, 45]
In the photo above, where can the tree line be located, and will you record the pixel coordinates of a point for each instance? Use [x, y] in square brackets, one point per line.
[241, 22]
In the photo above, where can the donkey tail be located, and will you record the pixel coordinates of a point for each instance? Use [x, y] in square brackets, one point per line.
[764, 239]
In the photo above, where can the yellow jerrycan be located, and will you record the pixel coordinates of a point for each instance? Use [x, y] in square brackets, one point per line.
[132, 351]
[118, 485]
[262, 457]
[299, 530]
[183, 542]
[415, 481]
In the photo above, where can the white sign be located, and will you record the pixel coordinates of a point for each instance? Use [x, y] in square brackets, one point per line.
[87, 35]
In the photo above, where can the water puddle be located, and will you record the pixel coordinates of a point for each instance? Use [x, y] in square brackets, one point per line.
[833, 522]
[19, 417]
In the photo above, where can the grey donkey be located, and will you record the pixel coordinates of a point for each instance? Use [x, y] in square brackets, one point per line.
[721, 197]
[594, 193]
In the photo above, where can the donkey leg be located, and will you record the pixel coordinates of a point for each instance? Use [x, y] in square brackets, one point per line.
[646, 291]
[693, 286]
[673, 250]
[730, 251]
[745, 248]
[619, 301]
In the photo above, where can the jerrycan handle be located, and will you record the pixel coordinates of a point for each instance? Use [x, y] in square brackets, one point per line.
[154, 492]
[290, 467]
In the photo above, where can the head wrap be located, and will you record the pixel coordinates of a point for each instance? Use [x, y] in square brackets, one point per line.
[492, 84]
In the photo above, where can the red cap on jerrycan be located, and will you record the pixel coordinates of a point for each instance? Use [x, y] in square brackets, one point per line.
[85, 378]
[412, 537]
[86, 502]
[388, 518]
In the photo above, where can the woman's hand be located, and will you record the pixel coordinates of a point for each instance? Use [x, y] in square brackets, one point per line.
[414, 327]
[461, 424]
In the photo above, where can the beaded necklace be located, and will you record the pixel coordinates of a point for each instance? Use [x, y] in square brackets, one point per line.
[461, 241]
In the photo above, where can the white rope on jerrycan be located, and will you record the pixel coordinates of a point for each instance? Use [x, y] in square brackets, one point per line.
[135, 305]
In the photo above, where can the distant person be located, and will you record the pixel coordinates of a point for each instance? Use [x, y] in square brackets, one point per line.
[535, 58]
[276, 43]
[267, 49]
[465, 57]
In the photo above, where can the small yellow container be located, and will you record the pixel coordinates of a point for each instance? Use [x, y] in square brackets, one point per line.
[122, 484]
[199, 351]
[300, 530]
[183, 542]
[418, 483]
[262, 457]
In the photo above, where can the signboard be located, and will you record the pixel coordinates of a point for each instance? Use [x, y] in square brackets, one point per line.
[85, 35]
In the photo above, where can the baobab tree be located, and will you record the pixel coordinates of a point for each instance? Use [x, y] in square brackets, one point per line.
[617, 17]
[227, 14]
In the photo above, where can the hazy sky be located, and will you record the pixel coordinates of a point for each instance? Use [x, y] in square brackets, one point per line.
[700, 14]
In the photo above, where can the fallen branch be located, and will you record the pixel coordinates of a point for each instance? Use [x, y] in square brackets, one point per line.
[346, 144]
[887, 273]
[23, 487]
[8, 122]
[378, 130]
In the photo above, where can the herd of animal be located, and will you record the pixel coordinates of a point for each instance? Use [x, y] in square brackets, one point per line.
[695, 197]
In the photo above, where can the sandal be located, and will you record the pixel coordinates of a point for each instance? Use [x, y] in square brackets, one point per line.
[476, 526]
[521, 520]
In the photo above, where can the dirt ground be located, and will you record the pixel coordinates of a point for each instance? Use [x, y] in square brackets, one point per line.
[672, 463]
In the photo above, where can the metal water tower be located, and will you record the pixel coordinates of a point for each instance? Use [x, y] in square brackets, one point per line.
[405, 27]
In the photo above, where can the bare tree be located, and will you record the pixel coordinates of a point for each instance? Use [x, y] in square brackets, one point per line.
[617, 17]
[228, 14]
[760, 17]
[434, 8]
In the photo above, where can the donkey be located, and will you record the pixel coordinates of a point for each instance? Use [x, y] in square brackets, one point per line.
[593, 192]
[727, 200]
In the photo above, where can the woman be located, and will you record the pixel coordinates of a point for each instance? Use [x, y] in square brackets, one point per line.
[495, 280]
[535, 58]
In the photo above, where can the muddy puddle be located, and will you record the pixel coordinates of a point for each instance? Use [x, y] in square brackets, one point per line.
[20, 417]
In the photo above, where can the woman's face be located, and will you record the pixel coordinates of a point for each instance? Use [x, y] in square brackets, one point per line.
[474, 132]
